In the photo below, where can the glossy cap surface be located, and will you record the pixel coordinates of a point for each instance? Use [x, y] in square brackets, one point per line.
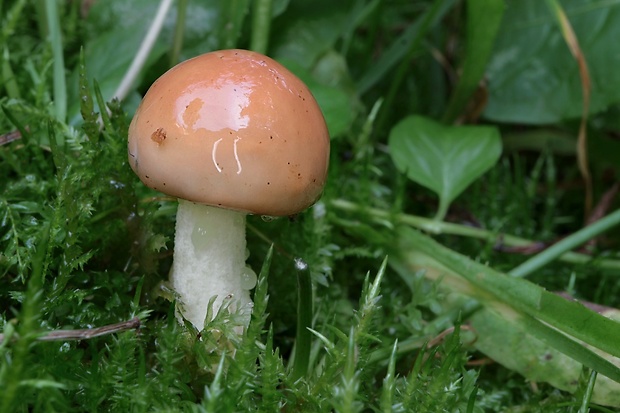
[233, 129]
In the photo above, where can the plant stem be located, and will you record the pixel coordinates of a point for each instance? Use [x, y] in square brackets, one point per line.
[589, 390]
[438, 227]
[209, 260]
[304, 320]
[442, 211]
[261, 22]
[232, 22]
[179, 30]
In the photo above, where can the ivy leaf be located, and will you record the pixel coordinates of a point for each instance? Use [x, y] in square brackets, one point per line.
[444, 159]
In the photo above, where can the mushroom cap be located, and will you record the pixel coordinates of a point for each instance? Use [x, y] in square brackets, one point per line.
[232, 129]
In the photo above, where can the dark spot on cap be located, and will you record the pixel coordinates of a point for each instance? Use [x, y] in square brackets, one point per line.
[159, 136]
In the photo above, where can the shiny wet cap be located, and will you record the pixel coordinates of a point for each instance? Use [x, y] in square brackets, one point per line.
[233, 129]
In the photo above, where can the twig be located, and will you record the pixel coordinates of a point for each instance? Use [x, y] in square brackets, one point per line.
[600, 210]
[10, 137]
[87, 333]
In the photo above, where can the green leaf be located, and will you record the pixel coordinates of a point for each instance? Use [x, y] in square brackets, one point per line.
[337, 101]
[511, 344]
[118, 28]
[306, 30]
[108, 56]
[445, 159]
[519, 298]
[534, 79]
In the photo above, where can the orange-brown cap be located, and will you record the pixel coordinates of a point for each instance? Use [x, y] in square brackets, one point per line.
[233, 129]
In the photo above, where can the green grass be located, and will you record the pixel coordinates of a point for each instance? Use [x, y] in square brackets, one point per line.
[396, 311]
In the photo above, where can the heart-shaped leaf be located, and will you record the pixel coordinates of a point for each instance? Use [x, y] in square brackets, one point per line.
[445, 159]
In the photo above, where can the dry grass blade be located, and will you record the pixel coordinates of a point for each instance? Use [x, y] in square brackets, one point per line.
[600, 210]
[582, 143]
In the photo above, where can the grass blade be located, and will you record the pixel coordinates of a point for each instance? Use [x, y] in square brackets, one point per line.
[303, 339]
[488, 286]
[7, 76]
[418, 31]
[143, 52]
[571, 348]
[483, 22]
[389, 382]
[587, 396]
[572, 241]
[55, 38]
[404, 44]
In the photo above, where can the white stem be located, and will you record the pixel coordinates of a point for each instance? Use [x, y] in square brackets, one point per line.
[209, 260]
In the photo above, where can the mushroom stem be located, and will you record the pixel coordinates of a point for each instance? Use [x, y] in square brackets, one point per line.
[209, 260]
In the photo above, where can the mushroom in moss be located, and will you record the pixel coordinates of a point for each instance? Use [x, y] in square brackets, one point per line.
[228, 133]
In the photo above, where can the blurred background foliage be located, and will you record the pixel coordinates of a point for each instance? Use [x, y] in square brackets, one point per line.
[497, 89]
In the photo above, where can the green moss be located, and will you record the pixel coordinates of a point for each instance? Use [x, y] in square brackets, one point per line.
[84, 244]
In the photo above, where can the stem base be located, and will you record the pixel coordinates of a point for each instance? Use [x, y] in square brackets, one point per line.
[209, 260]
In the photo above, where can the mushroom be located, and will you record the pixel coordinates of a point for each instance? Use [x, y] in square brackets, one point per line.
[228, 133]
